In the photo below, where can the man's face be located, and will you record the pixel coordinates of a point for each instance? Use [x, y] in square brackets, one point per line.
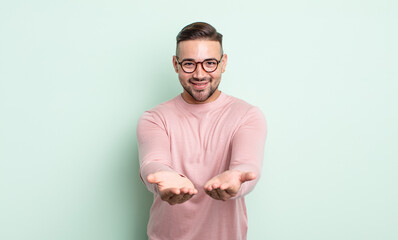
[200, 86]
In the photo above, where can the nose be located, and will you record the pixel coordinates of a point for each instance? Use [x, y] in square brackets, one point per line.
[199, 71]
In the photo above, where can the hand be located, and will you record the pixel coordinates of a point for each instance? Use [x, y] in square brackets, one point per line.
[227, 184]
[173, 188]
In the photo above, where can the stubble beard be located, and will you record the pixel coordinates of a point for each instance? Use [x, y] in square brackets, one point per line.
[201, 95]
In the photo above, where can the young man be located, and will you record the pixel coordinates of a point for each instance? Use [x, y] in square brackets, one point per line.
[202, 151]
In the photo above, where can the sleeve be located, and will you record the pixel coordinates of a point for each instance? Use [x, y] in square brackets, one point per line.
[248, 145]
[153, 148]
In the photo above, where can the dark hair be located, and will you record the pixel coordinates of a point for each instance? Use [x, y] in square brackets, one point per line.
[199, 30]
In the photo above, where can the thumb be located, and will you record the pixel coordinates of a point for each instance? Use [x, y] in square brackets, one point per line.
[247, 176]
[152, 178]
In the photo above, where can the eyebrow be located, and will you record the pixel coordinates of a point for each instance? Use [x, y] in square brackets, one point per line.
[191, 59]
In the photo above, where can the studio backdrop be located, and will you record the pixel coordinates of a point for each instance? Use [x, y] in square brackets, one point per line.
[75, 76]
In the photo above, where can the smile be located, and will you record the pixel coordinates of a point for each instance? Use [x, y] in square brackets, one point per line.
[199, 85]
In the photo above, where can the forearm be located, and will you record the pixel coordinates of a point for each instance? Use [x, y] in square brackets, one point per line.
[153, 147]
[248, 149]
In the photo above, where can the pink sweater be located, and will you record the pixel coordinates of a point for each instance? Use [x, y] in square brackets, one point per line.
[200, 141]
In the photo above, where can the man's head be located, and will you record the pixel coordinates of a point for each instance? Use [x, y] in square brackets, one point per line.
[201, 45]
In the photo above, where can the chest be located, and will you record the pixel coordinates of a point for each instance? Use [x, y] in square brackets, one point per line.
[207, 134]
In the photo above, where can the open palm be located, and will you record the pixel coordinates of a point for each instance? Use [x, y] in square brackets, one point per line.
[173, 188]
[227, 184]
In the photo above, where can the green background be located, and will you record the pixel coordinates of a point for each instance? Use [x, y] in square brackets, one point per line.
[76, 75]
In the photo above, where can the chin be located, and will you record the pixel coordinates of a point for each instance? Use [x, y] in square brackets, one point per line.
[201, 96]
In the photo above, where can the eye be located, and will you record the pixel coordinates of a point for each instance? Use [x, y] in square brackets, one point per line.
[188, 64]
[211, 63]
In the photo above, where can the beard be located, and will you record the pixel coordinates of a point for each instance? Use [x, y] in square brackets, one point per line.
[201, 95]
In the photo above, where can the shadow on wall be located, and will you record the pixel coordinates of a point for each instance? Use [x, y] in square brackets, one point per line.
[142, 199]
[133, 197]
[164, 86]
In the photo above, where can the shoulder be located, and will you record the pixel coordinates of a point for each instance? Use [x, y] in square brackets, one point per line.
[158, 113]
[242, 107]
[246, 115]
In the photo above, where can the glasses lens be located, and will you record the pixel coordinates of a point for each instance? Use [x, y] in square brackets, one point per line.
[188, 66]
[210, 65]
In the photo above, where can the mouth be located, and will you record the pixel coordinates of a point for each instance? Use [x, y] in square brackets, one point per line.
[199, 85]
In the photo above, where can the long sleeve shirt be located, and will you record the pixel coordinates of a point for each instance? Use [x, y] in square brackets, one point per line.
[200, 141]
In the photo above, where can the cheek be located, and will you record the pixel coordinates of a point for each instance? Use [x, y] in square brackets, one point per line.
[183, 78]
[216, 77]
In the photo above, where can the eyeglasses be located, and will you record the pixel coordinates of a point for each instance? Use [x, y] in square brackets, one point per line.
[209, 65]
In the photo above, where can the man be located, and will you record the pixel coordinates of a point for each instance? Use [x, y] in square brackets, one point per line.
[202, 151]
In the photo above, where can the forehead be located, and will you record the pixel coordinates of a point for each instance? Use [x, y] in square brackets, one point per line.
[199, 49]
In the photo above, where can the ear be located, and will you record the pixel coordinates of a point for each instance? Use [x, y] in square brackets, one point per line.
[224, 63]
[175, 64]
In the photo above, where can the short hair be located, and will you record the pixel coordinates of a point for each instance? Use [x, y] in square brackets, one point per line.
[199, 30]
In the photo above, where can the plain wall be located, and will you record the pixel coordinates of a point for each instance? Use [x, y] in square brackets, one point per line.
[75, 76]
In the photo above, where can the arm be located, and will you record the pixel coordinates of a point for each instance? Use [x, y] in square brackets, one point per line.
[153, 148]
[155, 162]
[246, 160]
[248, 148]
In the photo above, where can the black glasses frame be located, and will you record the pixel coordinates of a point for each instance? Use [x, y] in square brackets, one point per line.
[201, 63]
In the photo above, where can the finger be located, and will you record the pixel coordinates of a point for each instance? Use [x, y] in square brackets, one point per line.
[186, 197]
[217, 196]
[210, 193]
[215, 185]
[223, 195]
[175, 199]
[192, 191]
[186, 190]
[151, 178]
[214, 194]
[207, 186]
[166, 194]
[247, 176]
[207, 192]
[175, 191]
[232, 191]
[219, 193]
[224, 186]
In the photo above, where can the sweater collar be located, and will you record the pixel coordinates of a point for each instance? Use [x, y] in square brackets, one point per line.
[201, 107]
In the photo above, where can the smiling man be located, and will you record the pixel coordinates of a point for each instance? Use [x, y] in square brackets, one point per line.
[200, 152]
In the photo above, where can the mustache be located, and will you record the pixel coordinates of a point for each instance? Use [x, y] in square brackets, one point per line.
[200, 79]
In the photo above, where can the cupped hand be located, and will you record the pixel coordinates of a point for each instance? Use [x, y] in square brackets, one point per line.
[227, 184]
[173, 188]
